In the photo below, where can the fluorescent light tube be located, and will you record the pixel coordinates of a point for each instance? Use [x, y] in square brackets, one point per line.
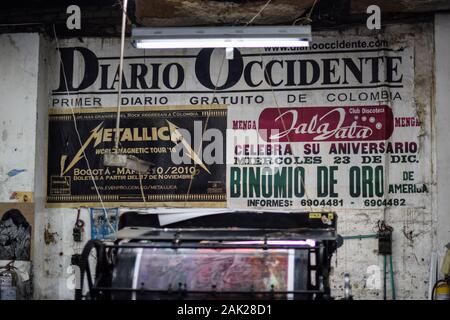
[221, 37]
[218, 43]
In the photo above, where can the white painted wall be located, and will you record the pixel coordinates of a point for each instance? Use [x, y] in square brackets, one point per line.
[18, 97]
[18, 92]
[23, 125]
[52, 271]
[442, 84]
[411, 257]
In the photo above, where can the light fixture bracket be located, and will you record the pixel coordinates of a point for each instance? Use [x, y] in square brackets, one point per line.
[221, 37]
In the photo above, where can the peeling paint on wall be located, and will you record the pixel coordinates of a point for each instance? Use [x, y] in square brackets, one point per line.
[49, 236]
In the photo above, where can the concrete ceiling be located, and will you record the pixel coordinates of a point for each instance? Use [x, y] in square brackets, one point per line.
[359, 6]
[238, 12]
[103, 17]
[204, 12]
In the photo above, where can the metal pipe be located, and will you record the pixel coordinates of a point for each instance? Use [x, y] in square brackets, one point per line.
[392, 277]
[207, 245]
[185, 291]
[365, 236]
[384, 266]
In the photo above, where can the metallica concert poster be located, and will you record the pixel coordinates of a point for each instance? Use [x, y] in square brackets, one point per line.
[181, 173]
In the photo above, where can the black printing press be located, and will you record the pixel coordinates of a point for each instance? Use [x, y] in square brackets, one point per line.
[236, 255]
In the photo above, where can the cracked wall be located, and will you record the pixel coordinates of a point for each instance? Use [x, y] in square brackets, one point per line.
[414, 237]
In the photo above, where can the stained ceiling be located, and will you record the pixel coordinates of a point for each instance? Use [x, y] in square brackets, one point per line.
[237, 12]
[359, 6]
[103, 17]
[201, 12]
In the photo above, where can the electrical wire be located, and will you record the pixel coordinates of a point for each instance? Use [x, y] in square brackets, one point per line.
[258, 13]
[124, 10]
[214, 94]
[119, 90]
[273, 91]
[79, 137]
[124, 17]
[383, 227]
[284, 126]
[140, 179]
[306, 19]
[433, 291]
[392, 277]
[204, 130]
